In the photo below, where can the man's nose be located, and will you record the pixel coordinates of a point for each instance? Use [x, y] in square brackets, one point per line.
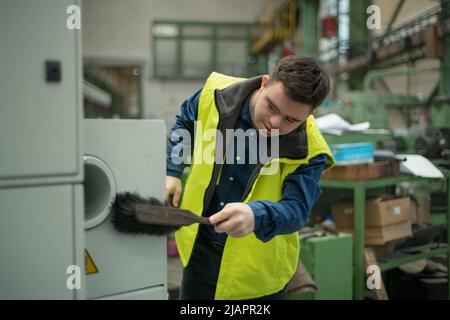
[275, 122]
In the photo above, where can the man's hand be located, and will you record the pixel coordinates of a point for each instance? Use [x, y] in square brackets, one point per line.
[236, 219]
[173, 187]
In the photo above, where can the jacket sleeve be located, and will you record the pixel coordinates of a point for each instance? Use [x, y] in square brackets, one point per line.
[300, 192]
[181, 140]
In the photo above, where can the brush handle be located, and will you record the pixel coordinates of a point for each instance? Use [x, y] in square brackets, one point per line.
[167, 216]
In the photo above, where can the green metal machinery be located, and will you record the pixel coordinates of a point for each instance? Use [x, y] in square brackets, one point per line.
[400, 122]
[328, 259]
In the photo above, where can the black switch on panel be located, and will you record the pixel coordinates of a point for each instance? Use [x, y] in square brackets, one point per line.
[53, 71]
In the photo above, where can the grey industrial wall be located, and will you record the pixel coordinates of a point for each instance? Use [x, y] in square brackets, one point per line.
[117, 29]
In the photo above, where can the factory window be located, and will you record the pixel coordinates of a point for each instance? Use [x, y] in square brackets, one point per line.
[192, 50]
[166, 51]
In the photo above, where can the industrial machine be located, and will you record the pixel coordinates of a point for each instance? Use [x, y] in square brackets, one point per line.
[59, 173]
[123, 155]
[400, 122]
[41, 167]
[316, 254]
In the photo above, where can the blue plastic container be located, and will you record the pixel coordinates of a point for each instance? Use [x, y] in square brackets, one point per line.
[353, 153]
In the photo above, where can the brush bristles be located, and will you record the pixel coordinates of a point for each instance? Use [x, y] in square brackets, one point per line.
[123, 215]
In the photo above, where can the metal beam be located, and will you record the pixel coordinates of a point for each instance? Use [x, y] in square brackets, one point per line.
[309, 12]
[390, 45]
[407, 258]
[382, 54]
[358, 39]
[445, 7]
[380, 74]
[359, 196]
[394, 16]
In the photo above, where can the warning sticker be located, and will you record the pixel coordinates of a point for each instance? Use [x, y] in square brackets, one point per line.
[90, 264]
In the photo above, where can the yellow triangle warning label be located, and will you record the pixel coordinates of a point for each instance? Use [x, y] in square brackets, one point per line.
[90, 265]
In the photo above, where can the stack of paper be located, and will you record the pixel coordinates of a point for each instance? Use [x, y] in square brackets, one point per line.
[419, 166]
[334, 124]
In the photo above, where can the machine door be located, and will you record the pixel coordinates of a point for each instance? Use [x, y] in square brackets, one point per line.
[37, 232]
[39, 90]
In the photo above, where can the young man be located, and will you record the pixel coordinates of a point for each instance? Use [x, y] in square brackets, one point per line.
[251, 250]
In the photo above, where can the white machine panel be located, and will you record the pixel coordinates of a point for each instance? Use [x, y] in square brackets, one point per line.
[123, 155]
[154, 293]
[41, 154]
[37, 234]
[39, 120]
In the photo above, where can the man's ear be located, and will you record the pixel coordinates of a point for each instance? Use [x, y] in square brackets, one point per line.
[265, 81]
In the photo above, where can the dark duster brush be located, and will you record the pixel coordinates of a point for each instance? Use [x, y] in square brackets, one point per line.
[133, 214]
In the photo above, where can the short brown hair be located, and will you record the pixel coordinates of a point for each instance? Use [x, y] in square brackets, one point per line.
[303, 80]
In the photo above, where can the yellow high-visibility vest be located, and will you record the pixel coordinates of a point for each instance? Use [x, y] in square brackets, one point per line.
[249, 268]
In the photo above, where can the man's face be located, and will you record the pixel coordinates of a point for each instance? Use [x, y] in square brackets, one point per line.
[272, 109]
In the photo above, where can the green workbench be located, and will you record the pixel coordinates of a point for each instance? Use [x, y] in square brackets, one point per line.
[359, 195]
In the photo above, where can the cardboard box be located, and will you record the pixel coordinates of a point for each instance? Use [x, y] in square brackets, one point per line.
[386, 219]
[384, 234]
[420, 210]
[384, 250]
[367, 171]
[380, 211]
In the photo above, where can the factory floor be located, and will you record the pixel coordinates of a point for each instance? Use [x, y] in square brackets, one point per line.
[174, 275]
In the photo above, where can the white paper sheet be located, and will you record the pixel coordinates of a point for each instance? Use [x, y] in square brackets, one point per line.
[334, 124]
[419, 166]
